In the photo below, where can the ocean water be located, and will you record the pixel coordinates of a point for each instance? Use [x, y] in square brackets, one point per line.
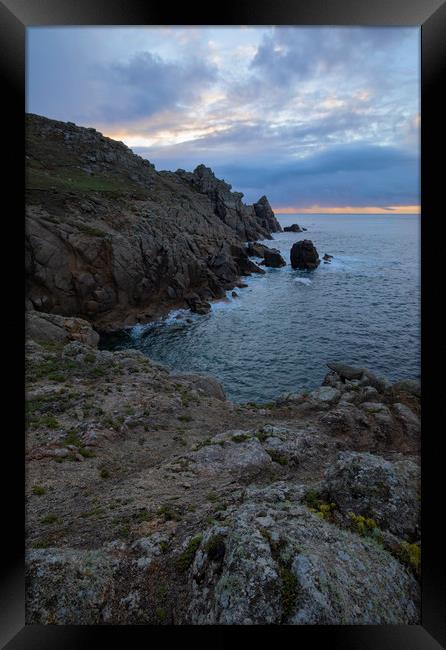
[363, 309]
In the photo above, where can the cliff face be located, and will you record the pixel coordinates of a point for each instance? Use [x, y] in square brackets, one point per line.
[111, 239]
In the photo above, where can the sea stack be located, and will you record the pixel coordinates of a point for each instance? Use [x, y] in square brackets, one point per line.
[304, 255]
[294, 228]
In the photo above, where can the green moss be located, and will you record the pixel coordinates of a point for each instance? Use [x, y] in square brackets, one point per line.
[277, 457]
[288, 590]
[240, 437]
[164, 547]
[186, 558]
[97, 372]
[104, 473]
[48, 421]
[141, 516]
[161, 614]
[86, 453]
[261, 435]
[72, 438]
[38, 490]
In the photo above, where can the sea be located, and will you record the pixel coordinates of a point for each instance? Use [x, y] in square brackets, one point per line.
[276, 336]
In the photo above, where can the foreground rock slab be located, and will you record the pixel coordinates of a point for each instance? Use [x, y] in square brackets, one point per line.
[151, 499]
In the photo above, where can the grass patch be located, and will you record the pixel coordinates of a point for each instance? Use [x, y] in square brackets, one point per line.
[186, 558]
[185, 418]
[50, 519]
[38, 490]
[288, 589]
[169, 512]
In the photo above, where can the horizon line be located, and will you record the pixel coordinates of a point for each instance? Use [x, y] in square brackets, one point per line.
[397, 209]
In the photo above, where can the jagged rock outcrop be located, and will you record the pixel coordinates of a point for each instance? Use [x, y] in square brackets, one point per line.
[304, 255]
[266, 216]
[110, 239]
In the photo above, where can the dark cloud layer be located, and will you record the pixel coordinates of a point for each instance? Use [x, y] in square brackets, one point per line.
[357, 175]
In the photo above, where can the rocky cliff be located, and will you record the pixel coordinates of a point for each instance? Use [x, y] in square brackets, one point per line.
[111, 239]
[151, 499]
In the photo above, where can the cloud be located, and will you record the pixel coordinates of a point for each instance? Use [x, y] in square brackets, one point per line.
[147, 84]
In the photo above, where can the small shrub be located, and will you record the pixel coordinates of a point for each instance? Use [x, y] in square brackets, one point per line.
[410, 554]
[365, 526]
[38, 490]
[104, 473]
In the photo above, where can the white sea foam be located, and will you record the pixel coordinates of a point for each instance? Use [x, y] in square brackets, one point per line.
[304, 280]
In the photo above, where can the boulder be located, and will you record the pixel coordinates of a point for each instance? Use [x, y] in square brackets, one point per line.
[54, 328]
[282, 564]
[387, 492]
[273, 258]
[304, 255]
[344, 371]
[294, 228]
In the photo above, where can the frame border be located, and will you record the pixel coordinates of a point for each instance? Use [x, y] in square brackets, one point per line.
[430, 15]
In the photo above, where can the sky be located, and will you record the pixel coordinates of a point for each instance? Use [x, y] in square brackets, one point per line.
[320, 119]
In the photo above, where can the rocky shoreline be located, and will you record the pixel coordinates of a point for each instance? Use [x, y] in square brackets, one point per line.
[152, 499]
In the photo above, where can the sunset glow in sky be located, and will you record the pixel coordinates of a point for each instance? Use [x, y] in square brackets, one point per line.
[320, 119]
